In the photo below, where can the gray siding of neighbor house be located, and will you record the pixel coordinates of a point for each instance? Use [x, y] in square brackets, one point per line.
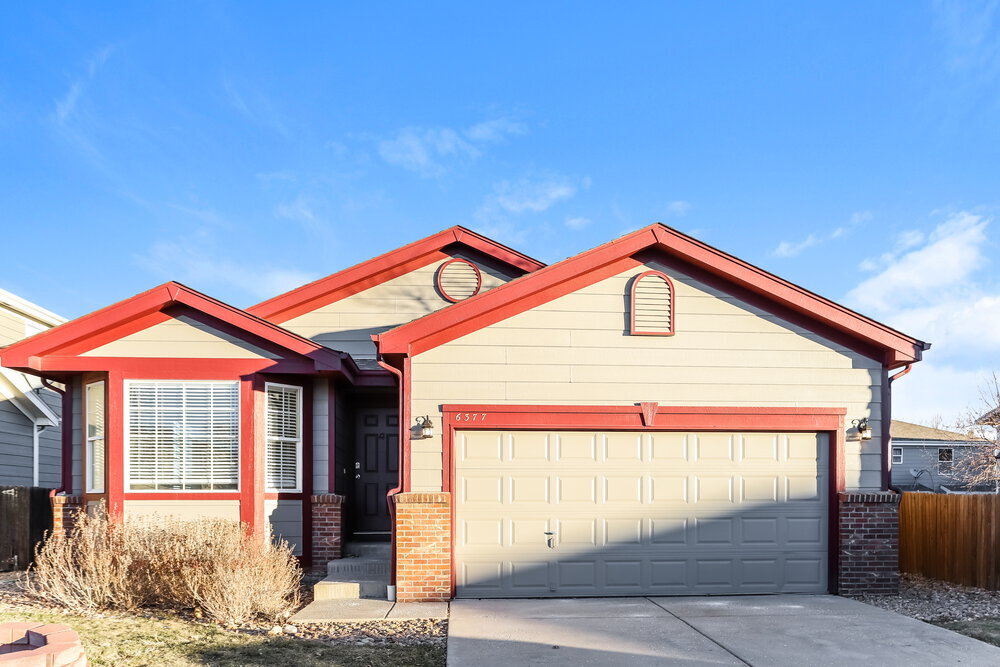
[16, 446]
[923, 455]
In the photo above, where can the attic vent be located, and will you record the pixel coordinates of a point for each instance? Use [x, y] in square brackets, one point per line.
[652, 305]
[458, 279]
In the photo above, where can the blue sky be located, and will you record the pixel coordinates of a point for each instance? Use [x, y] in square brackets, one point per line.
[245, 148]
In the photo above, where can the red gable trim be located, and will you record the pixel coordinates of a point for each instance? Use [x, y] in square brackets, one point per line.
[382, 268]
[611, 258]
[144, 310]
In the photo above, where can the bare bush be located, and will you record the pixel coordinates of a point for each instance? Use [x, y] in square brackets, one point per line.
[211, 564]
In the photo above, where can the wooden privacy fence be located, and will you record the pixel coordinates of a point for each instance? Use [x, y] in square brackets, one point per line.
[25, 515]
[953, 538]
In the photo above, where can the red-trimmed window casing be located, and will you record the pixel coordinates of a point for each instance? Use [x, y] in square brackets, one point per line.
[649, 277]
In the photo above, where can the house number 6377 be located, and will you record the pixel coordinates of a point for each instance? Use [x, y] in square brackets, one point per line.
[470, 417]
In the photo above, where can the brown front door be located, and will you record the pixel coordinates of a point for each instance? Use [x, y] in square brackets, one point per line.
[376, 470]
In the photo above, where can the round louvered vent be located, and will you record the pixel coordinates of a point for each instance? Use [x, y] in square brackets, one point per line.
[458, 279]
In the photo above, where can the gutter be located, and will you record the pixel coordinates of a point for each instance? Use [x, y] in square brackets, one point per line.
[390, 495]
[887, 438]
[66, 459]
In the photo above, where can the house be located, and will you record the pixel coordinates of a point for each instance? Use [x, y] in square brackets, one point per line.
[30, 440]
[652, 416]
[927, 459]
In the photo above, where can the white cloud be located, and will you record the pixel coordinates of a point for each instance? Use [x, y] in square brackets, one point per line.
[428, 151]
[932, 286]
[532, 195]
[578, 223]
[677, 209]
[793, 248]
[302, 211]
[66, 105]
[196, 262]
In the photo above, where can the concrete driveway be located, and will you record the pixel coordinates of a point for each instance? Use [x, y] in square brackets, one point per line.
[747, 630]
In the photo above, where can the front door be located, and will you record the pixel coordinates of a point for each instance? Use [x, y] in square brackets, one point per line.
[376, 471]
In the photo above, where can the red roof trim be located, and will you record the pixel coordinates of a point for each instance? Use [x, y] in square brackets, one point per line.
[382, 268]
[144, 310]
[607, 260]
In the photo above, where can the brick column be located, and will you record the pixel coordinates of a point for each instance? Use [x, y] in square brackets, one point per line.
[327, 528]
[64, 511]
[423, 547]
[869, 543]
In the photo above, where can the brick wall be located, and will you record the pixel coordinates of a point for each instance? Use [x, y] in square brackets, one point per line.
[423, 547]
[327, 528]
[64, 511]
[869, 543]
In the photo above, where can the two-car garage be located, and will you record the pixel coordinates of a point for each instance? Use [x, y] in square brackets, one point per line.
[639, 512]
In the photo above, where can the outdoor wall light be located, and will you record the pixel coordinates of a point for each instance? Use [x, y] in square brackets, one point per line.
[864, 430]
[426, 427]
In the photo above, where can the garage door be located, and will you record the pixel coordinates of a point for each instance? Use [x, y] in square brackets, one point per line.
[639, 513]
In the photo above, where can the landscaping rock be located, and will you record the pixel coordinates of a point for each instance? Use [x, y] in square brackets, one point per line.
[937, 601]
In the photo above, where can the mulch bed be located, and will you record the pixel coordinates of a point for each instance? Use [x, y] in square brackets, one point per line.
[418, 632]
[938, 601]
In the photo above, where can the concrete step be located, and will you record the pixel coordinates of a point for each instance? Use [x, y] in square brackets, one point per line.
[362, 567]
[368, 549]
[331, 588]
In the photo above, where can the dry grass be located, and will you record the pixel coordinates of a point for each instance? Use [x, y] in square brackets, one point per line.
[212, 565]
[130, 641]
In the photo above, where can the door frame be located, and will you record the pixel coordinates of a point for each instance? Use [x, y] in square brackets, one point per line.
[651, 417]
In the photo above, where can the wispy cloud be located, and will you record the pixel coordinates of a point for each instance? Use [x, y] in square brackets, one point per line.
[303, 211]
[677, 209]
[793, 248]
[970, 30]
[66, 105]
[578, 223]
[428, 151]
[501, 211]
[196, 260]
[254, 105]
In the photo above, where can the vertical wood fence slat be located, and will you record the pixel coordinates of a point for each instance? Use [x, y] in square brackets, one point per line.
[953, 538]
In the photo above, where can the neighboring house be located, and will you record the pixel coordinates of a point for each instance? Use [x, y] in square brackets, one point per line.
[30, 439]
[927, 459]
[652, 416]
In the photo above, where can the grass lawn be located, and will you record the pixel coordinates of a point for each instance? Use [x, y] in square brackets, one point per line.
[983, 629]
[128, 640]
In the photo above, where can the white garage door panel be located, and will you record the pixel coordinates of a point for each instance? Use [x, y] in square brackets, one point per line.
[640, 513]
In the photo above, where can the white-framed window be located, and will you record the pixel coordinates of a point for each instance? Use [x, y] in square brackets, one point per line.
[95, 450]
[182, 435]
[946, 460]
[283, 426]
[897, 455]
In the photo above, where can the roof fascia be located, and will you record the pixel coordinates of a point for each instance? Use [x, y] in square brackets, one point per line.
[14, 388]
[382, 268]
[570, 274]
[32, 310]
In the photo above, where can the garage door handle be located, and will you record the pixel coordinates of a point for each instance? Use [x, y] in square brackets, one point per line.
[550, 539]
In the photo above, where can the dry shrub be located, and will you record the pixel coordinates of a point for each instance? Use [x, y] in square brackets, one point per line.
[211, 564]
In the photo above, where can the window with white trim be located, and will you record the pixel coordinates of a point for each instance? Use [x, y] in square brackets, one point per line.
[946, 460]
[182, 435]
[95, 450]
[283, 452]
[897, 455]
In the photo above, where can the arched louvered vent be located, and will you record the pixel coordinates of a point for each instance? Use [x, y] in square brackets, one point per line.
[652, 305]
[458, 279]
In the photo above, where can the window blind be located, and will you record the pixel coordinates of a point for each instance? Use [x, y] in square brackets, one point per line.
[284, 437]
[183, 436]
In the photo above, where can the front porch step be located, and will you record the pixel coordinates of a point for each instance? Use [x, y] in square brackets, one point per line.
[343, 588]
[361, 566]
[368, 550]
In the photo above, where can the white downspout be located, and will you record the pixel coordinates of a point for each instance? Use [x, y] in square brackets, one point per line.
[36, 451]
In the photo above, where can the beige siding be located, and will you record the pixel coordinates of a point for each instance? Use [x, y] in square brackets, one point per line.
[184, 509]
[182, 337]
[285, 518]
[575, 350]
[348, 324]
[11, 326]
[321, 436]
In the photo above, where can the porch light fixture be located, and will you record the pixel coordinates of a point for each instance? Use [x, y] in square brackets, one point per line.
[864, 430]
[426, 427]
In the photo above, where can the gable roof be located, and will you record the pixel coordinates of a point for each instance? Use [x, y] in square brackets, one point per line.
[991, 418]
[385, 267]
[908, 431]
[29, 309]
[44, 351]
[895, 348]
